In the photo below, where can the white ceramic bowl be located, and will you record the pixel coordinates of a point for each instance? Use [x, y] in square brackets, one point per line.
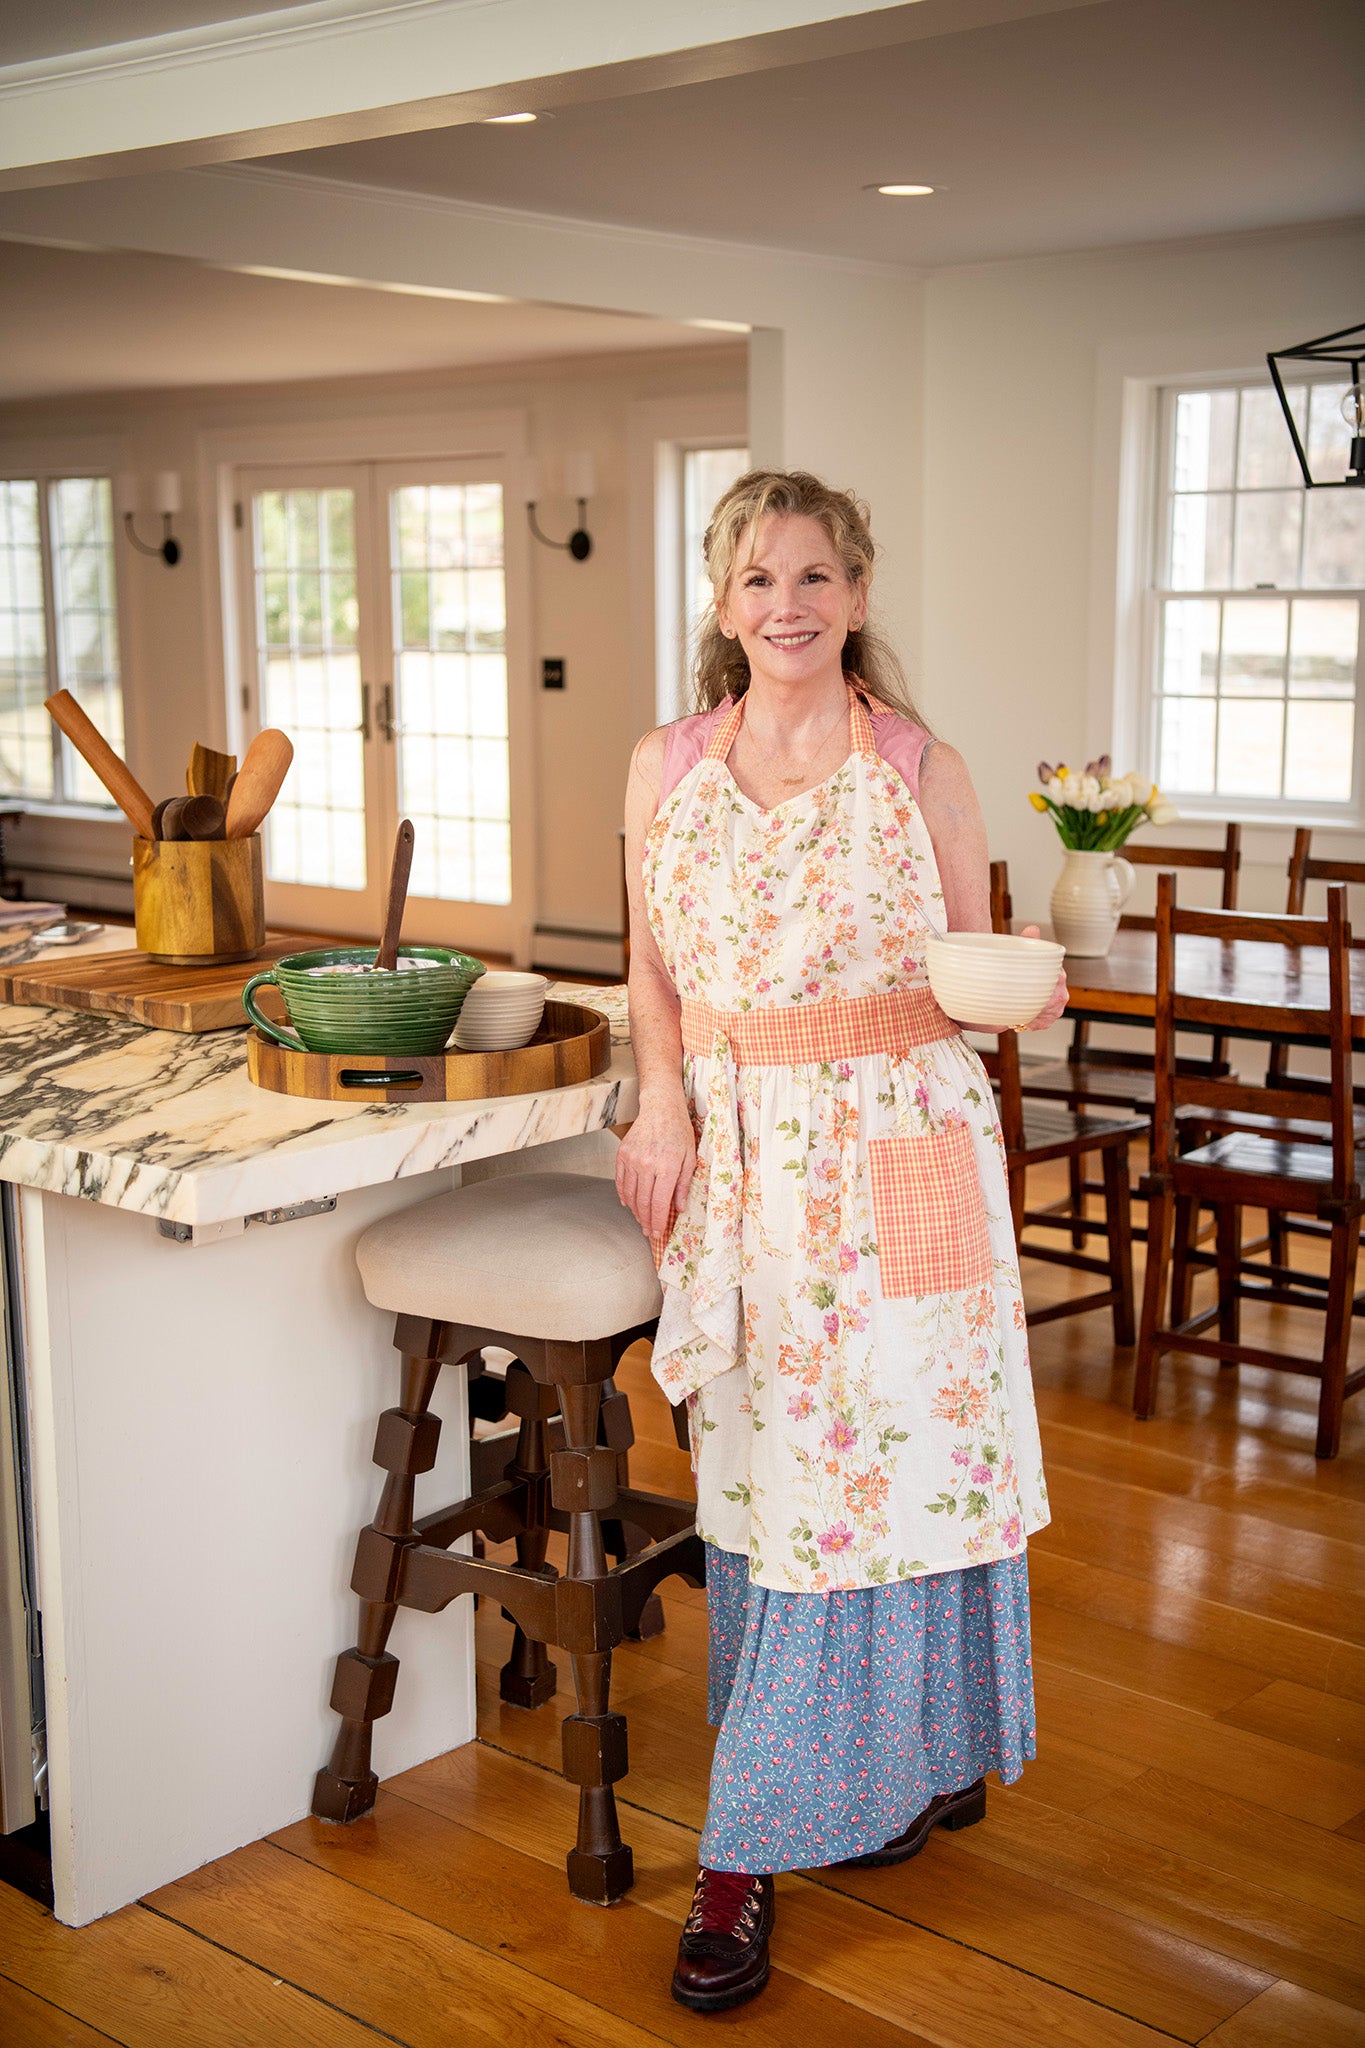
[509, 1014]
[992, 978]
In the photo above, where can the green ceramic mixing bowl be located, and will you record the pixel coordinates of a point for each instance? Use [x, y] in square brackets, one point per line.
[338, 1002]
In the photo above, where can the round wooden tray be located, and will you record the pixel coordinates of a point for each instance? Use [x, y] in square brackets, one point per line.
[573, 1045]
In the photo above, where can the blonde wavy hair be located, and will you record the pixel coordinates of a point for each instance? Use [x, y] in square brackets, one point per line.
[720, 667]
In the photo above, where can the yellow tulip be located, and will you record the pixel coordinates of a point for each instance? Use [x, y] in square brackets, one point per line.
[1038, 801]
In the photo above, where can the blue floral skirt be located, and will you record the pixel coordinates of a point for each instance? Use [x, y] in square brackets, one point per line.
[842, 1715]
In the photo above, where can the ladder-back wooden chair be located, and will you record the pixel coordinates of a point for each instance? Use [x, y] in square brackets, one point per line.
[1037, 1132]
[1247, 1168]
[1120, 1077]
[1304, 868]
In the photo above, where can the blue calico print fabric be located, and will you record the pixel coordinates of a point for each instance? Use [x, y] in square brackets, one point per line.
[842, 1715]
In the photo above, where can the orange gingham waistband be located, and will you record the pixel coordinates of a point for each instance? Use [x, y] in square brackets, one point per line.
[797, 1034]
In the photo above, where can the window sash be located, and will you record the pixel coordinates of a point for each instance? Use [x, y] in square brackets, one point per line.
[1162, 592]
[59, 662]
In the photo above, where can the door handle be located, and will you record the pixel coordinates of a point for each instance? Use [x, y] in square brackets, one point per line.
[364, 727]
[386, 710]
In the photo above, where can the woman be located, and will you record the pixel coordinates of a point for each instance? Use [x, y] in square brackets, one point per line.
[818, 1160]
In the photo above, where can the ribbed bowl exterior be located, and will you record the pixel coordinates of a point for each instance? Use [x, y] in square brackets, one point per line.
[1000, 987]
[407, 1011]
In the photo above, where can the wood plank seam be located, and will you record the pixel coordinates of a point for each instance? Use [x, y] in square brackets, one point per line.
[223, 1948]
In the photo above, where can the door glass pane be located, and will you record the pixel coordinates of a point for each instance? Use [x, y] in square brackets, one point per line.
[707, 474]
[81, 512]
[307, 622]
[25, 728]
[450, 683]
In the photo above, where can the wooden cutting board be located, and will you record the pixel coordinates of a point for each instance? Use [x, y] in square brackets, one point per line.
[164, 998]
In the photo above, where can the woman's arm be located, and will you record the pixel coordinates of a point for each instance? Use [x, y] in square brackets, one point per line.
[658, 1153]
[958, 832]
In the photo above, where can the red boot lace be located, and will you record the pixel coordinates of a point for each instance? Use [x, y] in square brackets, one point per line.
[722, 1903]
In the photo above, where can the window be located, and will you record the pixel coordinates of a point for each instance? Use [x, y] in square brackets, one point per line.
[707, 473]
[58, 630]
[1256, 603]
[689, 476]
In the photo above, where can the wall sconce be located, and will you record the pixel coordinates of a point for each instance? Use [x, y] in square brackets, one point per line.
[580, 482]
[1346, 346]
[165, 500]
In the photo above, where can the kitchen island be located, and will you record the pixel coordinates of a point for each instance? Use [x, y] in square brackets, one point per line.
[203, 1376]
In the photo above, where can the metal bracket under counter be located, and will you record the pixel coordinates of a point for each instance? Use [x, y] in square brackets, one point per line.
[214, 1233]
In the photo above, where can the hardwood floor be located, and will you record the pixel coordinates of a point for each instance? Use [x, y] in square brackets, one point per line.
[1184, 1862]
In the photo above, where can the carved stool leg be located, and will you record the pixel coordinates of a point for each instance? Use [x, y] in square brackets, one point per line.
[616, 1429]
[528, 1678]
[600, 1866]
[362, 1690]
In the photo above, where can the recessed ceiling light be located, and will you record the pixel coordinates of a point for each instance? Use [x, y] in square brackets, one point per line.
[901, 191]
[506, 120]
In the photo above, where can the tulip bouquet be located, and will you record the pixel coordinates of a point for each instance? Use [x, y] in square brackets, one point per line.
[1097, 810]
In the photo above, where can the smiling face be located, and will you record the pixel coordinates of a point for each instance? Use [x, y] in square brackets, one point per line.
[791, 603]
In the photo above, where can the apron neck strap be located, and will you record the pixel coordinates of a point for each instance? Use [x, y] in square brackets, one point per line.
[861, 739]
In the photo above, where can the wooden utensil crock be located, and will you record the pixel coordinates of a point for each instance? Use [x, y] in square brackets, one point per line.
[199, 899]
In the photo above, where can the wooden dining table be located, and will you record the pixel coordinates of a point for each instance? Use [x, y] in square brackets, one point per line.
[1119, 986]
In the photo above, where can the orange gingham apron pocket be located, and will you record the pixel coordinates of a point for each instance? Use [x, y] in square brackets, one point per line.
[932, 1234]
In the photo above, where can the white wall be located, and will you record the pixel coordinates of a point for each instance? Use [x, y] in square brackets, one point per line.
[582, 609]
[1024, 370]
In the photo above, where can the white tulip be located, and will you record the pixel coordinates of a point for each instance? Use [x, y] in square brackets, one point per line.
[1161, 810]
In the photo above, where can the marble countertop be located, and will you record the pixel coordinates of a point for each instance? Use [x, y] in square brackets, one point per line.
[166, 1123]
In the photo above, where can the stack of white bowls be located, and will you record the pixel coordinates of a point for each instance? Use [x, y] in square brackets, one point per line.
[502, 1010]
[987, 978]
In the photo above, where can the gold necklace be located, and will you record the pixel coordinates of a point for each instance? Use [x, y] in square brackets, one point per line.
[792, 781]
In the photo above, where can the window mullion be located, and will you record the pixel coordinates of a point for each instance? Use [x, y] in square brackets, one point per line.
[46, 556]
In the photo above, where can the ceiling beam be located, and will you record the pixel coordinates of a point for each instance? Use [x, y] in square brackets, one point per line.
[337, 71]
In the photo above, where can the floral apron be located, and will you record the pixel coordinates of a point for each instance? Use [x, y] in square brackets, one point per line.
[841, 1289]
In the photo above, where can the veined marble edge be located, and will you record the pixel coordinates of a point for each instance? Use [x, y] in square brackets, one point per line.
[393, 1151]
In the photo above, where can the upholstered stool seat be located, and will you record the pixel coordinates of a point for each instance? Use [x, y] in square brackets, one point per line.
[548, 1254]
[550, 1268]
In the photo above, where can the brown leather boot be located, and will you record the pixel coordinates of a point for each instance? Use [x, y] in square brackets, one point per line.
[950, 1810]
[723, 1954]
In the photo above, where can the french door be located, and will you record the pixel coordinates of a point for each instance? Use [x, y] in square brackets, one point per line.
[374, 631]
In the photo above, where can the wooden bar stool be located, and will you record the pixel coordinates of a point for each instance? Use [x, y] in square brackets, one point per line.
[552, 1268]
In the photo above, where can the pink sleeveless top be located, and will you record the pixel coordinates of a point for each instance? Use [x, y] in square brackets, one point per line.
[901, 745]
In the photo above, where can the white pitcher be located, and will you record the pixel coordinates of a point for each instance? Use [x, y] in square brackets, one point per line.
[1087, 897]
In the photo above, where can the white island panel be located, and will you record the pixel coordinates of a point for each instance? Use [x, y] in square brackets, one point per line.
[202, 1421]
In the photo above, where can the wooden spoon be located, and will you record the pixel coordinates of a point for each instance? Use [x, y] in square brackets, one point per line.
[191, 817]
[209, 773]
[131, 798]
[387, 956]
[258, 782]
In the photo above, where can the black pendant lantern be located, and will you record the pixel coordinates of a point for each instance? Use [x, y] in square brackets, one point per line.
[1346, 346]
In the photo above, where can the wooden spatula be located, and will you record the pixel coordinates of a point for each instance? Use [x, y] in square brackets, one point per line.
[131, 798]
[209, 773]
[258, 782]
[387, 956]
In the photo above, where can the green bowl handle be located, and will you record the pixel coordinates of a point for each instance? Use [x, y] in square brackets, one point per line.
[287, 1039]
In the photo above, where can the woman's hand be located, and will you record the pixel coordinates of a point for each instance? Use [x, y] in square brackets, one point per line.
[1056, 1001]
[655, 1165]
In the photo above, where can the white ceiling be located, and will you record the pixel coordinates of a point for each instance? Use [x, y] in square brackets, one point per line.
[78, 320]
[1132, 121]
[31, 29]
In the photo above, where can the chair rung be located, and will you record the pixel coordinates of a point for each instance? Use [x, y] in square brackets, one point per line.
[1239, 1354]
[1048, 1219]
[1056, 1309]
[1282, 1297]
[1051, 1255]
